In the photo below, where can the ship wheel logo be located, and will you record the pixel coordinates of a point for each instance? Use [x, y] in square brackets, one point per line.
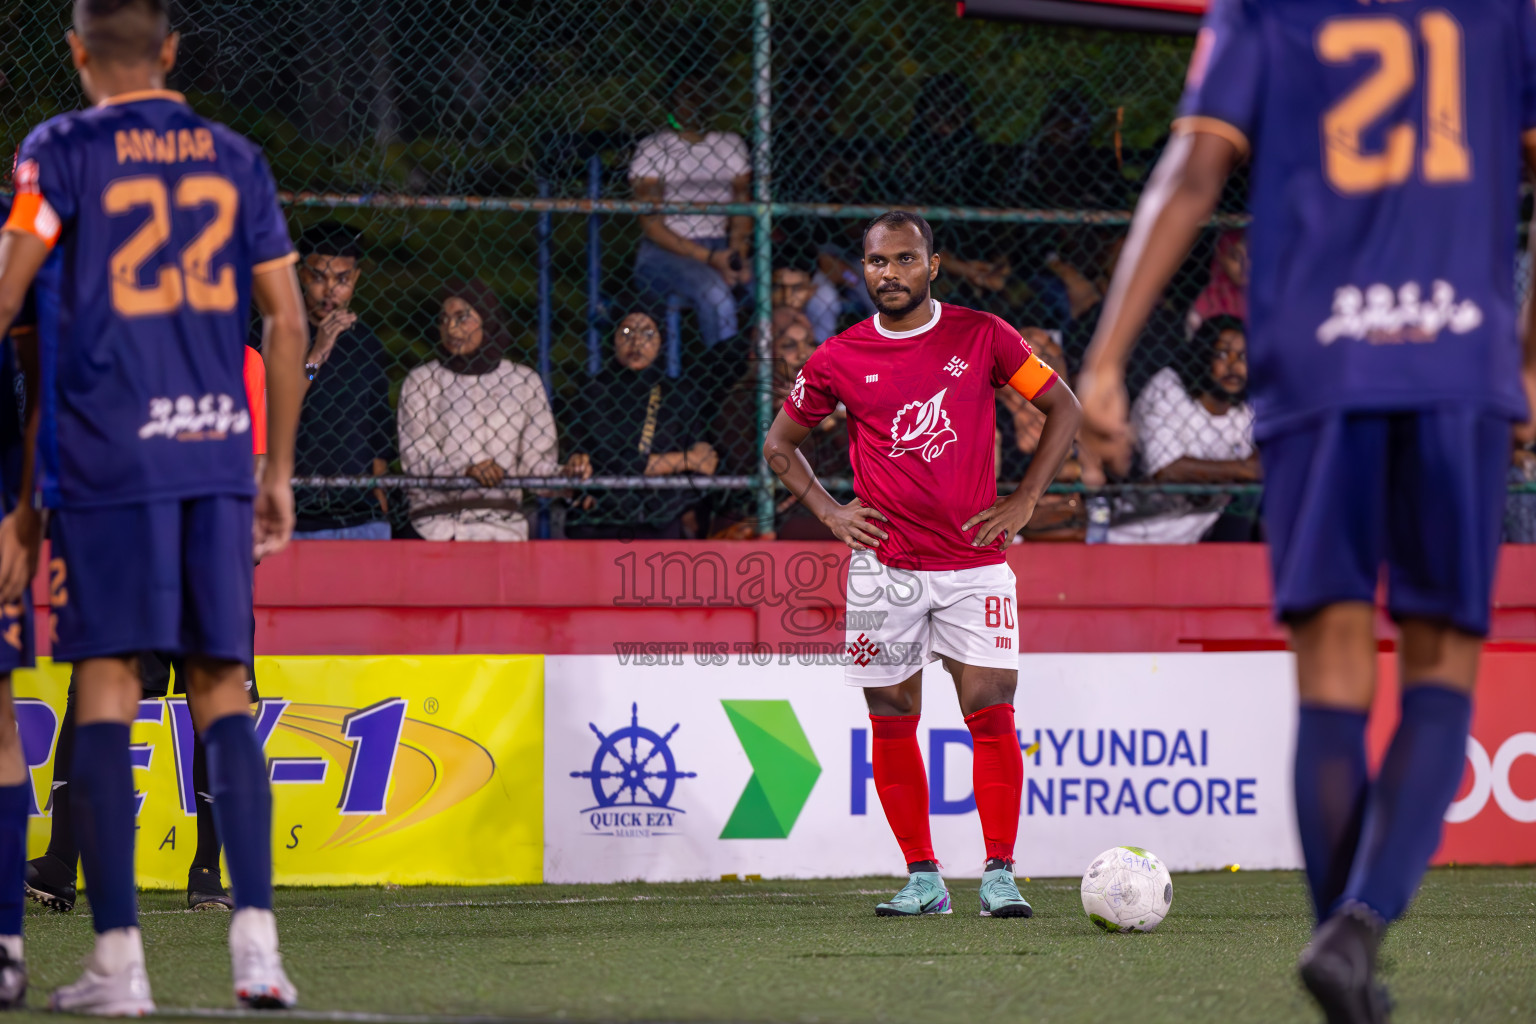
[633, 767]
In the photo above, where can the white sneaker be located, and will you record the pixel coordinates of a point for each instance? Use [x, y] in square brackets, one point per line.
[13, 973]
[114, 983]
[260, 982]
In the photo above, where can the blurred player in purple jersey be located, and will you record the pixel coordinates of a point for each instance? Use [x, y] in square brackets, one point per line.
[16, 639]
[167, 227]
[1387, 369]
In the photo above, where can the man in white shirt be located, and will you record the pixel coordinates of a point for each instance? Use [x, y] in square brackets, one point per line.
[1195, 427]
[701, 257]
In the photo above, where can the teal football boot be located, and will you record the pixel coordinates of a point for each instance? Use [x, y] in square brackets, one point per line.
[924, 893]
[1000, 895]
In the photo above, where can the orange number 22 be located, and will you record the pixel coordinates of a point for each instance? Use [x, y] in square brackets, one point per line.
[194, 282]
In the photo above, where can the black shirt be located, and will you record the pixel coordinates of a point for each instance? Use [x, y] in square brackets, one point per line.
[346, 424]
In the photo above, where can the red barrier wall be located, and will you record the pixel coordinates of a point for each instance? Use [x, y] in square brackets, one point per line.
[583, 597]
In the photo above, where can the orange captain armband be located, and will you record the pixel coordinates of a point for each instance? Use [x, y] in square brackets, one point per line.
[31, 214]
[1033, 379]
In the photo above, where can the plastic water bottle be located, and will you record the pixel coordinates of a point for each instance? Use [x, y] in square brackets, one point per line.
[1098, 520]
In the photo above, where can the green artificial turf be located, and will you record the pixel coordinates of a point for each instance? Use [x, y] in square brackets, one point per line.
[814, 951]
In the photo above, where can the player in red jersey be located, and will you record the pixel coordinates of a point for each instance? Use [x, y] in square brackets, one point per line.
[928, 579]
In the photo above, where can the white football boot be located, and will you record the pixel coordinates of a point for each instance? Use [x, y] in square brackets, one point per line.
[260, 982]
[13, 973]
[114, 983]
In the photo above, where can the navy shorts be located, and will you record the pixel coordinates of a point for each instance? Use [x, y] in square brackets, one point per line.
[170, 576]
[16, 636]
[1421, 493]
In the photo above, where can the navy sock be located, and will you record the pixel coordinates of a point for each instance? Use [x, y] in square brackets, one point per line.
[15, 802]
[1405, 812]
[1330, 780]
[101, 786]
[242, 807]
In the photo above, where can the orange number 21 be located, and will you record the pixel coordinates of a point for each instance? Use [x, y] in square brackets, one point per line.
[1446, 158]
[195, 281]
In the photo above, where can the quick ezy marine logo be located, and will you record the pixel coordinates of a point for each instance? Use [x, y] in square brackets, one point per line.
[634, 777]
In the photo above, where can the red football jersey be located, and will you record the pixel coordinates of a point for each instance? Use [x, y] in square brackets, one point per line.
[921, 420]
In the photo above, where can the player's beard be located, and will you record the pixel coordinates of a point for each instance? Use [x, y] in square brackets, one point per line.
[915, 301]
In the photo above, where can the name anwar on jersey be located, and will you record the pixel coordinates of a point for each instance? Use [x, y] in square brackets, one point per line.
[145, 146]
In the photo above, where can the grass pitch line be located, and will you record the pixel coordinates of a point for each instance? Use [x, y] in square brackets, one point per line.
[351, 1017]
[701, 898]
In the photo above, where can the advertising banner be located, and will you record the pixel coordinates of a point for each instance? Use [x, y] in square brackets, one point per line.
[409, 770]
[661, 768]
[1491, 820]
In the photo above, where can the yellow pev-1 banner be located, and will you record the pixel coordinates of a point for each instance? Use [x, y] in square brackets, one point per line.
[406, 770]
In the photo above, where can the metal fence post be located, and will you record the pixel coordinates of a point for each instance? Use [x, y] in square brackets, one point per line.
[762, 244]
[546, 340]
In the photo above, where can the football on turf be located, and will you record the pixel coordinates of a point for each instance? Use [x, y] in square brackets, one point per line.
[1127, 889]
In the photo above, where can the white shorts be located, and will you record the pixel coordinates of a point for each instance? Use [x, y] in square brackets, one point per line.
[898, 620]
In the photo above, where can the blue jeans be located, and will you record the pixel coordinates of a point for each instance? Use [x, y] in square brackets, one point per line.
[666, 273]
[376, 530]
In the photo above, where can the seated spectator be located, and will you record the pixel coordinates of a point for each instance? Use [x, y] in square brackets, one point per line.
[840, 293]
[701, 257]
[1195, 427]
[1227, 292]
[634, 420]
[792, 289]
[741, 448]
[347, 427]
[472, 412]
[826, 293]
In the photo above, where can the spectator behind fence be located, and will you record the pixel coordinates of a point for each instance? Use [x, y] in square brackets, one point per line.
[472, 412]
[1195, 426]
[741, 447]
[1227, 292]
[1057, 516]
[347, 427]
[633, 420]
[825, 288]
[700, 257]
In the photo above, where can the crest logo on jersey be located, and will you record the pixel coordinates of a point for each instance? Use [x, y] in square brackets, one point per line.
[797, 393]
[1381, 316]
[922, 427]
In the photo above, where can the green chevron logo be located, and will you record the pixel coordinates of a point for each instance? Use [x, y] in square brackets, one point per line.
[784, 769]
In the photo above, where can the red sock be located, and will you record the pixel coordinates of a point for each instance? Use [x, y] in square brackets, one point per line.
[998, 777]
[902, 783]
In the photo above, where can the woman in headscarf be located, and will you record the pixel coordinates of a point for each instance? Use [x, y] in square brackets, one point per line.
[634, 420]
[1227, 292]
[472, 412]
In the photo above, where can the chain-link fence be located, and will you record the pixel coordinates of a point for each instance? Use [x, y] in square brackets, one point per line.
[563, 260]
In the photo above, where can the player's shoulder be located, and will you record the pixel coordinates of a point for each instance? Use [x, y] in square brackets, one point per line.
[965, 316]
[71, 127]
[837, 346]
[233, 145]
